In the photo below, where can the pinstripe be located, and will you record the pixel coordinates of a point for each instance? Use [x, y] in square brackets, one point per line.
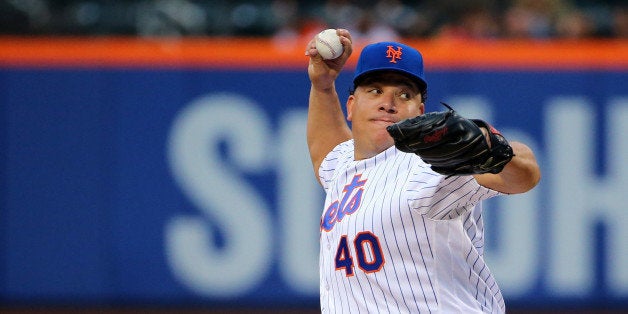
[482, 274]
[387, 245]
[384, 227]
[372, 215]
[371, 191]
[442, 210]
[445, 191]
[405, 234]
[381, 223]
[396, 243]
[409, 250]
[418, 278]
[429, 246]
[387, 282]
[478, 276]
[469, 225]
[417, 304]
[360, 283]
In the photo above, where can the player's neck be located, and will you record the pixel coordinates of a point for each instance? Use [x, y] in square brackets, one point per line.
[361, 152]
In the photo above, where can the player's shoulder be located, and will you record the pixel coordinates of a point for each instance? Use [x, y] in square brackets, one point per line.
[339, 155]
[345, 148]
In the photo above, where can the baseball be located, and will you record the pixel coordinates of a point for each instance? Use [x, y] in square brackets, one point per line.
[328, 44]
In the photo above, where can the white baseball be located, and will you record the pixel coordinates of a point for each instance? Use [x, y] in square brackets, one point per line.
[328, 44]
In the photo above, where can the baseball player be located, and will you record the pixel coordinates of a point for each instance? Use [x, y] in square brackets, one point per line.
[401, 230]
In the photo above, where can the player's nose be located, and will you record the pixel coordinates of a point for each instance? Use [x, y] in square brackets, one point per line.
[388, 105]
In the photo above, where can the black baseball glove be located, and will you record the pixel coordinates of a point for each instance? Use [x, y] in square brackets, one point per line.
[452, 144]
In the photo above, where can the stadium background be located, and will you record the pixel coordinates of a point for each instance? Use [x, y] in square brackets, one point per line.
[152, 153]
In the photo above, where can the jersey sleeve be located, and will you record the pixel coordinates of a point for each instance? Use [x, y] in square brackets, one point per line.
[442, 198]
[338, 157]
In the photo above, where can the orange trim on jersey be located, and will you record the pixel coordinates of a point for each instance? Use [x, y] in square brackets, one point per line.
[248, 53]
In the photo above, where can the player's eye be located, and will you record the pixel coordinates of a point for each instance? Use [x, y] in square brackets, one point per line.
[405, 95]
[375, 91]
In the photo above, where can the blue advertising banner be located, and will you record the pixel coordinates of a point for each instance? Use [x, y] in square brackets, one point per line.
[178, 186]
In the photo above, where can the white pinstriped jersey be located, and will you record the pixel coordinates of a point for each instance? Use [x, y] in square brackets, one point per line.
[397, 237]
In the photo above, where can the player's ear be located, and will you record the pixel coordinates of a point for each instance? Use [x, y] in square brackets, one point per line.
[422, 108]
[350, 102]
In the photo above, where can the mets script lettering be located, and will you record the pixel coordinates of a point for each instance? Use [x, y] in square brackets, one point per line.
[351, 198]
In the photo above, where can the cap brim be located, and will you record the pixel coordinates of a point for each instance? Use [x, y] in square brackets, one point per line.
[420, 82]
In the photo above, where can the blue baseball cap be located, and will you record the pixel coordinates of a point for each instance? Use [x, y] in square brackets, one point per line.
[390, 56]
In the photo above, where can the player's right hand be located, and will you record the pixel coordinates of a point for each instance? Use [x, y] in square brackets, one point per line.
[323, 73]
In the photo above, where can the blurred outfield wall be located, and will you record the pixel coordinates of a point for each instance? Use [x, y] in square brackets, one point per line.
[176, 173]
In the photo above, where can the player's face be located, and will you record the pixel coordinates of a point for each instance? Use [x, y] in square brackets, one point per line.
[378, 102]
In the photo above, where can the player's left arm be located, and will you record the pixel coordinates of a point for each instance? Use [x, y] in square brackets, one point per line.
[521, 173]
[455, 146]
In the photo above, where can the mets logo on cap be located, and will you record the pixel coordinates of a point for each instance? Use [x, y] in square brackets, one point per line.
[393, 54]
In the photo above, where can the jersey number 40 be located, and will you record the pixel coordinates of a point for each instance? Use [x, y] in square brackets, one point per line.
[368, 253]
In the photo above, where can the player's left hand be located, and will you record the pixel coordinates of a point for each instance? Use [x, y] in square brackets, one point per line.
[452, 144]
